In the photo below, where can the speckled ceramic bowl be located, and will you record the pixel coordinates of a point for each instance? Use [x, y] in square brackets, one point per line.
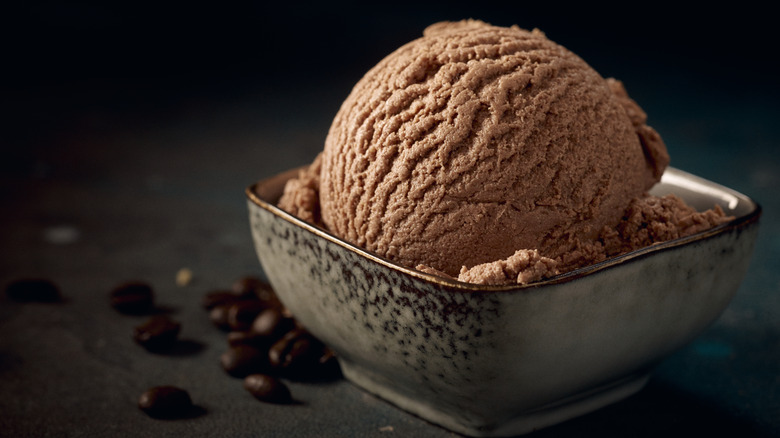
[497, 361]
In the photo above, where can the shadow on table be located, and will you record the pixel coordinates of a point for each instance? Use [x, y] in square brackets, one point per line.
[659, 410]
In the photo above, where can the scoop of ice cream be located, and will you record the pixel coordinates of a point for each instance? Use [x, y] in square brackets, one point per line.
[475, 141]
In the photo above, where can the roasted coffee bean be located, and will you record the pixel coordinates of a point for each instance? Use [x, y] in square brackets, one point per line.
[246, 338]
[258, 289]
[247, 286]
[242, 313]
[297, 351]
[166, 402]
[158, 333]
[327, 366]
[242, 360]
[219, 317]
[219, 298]
[317, 363]
[271, 324]
[133, 298]
[33, 290]
[268, 296]
[267, 388]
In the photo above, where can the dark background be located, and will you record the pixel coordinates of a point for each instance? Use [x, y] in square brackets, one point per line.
[132, 128]
[119, 58]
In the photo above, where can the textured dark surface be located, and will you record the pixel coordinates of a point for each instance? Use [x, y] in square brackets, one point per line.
[128, 136]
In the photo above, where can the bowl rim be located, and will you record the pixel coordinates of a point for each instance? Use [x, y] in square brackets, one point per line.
[671, 173]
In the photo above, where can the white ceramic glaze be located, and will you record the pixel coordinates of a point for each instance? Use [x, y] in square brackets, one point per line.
[506, 360]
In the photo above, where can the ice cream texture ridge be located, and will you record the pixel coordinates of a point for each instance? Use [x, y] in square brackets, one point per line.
[491, 155]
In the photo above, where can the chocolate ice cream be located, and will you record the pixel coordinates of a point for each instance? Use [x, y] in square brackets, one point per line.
[491, 155]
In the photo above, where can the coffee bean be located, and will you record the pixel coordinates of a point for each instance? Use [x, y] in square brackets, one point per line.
[267, 388]
[242, 360]
[258, 289]
[328, 367]
[246, 338]
[264, 337]
[218, 298]
[33, 290]
[271, 324]
[242, 313]
[165, 402]
[219, 317]
[157, 334]
[133, 298]
[269, 297]
[302, 351]
[246, 286]
[296, 352]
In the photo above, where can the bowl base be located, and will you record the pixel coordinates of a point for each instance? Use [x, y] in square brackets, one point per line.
[526, 422]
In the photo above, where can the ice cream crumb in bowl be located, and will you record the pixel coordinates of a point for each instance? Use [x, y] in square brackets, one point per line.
[503, 360]
[492, 238]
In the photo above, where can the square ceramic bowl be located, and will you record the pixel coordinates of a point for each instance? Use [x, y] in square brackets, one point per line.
[505, 360]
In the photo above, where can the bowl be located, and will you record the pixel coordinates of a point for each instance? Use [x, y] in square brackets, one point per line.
[505, 360]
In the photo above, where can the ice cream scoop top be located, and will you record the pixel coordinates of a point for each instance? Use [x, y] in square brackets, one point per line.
[475, 141]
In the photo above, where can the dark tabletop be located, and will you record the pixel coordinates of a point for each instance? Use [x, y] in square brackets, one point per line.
[130, 131]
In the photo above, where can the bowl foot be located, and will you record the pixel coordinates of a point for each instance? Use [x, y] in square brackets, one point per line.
[525, 422]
